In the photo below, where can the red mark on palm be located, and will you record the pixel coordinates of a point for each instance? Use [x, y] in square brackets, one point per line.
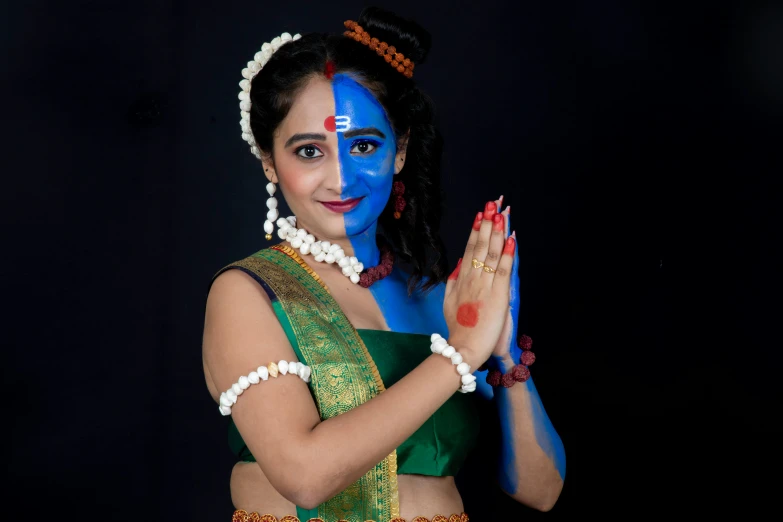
[468, 314]
[330, 124]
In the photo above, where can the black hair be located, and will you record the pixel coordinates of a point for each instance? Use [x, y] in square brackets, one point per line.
[415, 236]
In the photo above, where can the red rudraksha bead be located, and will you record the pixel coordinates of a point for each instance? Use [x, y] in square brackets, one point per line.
[507, 380]
[493, 378]
[520, 373]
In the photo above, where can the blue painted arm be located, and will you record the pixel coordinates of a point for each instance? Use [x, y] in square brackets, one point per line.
[507, 401]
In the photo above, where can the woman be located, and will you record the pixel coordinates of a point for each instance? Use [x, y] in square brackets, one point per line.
[341, 348]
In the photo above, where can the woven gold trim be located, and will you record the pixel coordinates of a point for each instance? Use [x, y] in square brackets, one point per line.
[316, 318]
[295, 256]
[240, 515]
[395, 495]
[395, 492]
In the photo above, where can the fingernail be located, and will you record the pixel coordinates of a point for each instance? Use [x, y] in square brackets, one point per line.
[511, 245]
[498, 222]
[477, 221]
[455, 273]
[490, 210]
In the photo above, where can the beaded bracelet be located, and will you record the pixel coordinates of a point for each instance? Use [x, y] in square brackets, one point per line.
[520, 372]
[229, 397]
[440, 346]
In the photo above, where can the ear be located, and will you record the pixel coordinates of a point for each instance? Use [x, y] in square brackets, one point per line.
[268, 165]
[402, 148]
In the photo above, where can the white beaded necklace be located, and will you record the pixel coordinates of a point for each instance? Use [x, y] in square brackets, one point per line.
[322, 251]
[300, 239]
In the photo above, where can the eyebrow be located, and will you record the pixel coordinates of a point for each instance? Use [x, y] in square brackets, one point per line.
[372, 131]
[307, 136]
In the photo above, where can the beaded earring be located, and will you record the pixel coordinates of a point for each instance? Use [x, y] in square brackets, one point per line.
[272, 213]
[398, 190]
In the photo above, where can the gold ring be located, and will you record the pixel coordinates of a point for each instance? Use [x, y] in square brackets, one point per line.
[477, 263]
[488, 269]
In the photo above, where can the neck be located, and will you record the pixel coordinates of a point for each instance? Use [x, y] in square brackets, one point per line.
[364, 246]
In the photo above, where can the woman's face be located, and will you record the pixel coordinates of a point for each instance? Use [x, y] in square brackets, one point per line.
[334, 156]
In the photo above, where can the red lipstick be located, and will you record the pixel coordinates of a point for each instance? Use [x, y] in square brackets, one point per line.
[341, 206]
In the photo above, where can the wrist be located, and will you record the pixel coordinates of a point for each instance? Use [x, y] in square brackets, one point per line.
[464, 367]
[502, 363]
[506, 371]
[469, 353]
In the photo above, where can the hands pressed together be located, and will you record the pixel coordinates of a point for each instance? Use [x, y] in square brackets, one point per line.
[482, 292]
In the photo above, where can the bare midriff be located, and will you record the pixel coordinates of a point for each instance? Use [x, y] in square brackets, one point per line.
[419, 495]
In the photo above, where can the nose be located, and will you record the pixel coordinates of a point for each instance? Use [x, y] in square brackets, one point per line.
[333, 178]
[349, 173]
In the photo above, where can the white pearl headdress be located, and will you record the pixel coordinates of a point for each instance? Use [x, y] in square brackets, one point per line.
[248, 73]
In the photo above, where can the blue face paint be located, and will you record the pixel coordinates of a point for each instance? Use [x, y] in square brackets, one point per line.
[367, 147]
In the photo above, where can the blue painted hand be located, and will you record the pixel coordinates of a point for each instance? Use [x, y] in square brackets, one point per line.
[507, 346]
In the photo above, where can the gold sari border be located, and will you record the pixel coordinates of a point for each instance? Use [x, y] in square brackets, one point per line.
[328, 342]
[392, 458]
[240, 515]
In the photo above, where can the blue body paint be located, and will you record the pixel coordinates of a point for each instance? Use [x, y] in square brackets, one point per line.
[508, 476]
[546, 436]
[363, 175]
[369, 175]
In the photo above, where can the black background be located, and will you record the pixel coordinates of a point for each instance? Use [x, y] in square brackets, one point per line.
[637, 142]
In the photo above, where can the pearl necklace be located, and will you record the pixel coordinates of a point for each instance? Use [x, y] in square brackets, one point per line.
[322, 251]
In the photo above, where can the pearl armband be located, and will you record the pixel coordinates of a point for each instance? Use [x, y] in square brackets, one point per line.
[440, 346]
[229, 397]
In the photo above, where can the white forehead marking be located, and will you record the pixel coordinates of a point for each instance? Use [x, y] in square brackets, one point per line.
[342, 123]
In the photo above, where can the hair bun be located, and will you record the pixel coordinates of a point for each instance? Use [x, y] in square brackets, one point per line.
[407, 36]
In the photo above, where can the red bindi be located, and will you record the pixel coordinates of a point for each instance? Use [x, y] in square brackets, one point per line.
[329, 70]
[330, 124]
[468, 314]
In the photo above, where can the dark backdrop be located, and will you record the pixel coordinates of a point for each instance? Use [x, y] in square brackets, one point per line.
[638, 143]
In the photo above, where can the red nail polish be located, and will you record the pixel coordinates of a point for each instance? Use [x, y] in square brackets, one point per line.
[490, 210]
[477, 221]
[499, 222]
[455, 273]
[510, 246]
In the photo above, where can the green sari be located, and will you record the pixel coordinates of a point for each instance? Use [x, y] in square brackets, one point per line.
[343, 374]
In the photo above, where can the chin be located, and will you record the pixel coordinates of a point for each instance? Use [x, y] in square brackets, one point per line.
[333, 229]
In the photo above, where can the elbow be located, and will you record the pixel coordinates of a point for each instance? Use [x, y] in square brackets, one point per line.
[543, 504]
[541, 499]
[309, 490]
[306, 501]
[304, 496]
[306, 481]
[310, 497]
[302, 491]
